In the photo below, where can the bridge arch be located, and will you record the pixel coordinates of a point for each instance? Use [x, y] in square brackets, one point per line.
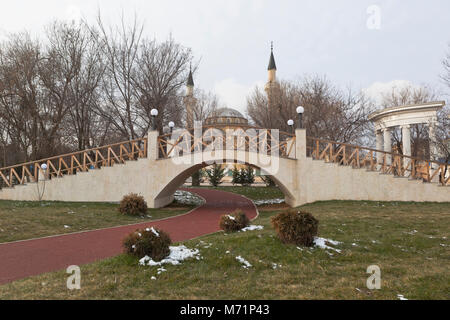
[176, 173]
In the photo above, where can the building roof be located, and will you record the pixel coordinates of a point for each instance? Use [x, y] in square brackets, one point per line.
[227, 112]
[407, 108]
[190, 81]
[272, 65]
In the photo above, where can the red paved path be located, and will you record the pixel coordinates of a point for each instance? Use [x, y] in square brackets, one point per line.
[31, 257]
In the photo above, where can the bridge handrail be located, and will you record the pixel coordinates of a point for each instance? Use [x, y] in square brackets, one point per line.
[378, 160]
[261, 140]
[221, 126]
[13, 177]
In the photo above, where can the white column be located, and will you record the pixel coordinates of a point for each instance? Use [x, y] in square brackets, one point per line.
[406, 142]
[432, 136]
[387, 137]
[152, 145]
[433, 149]
[379, 139]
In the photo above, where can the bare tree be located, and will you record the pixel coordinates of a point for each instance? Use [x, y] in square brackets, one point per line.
[329, 112]
[120, 48]
[160, 80]
[207, 104]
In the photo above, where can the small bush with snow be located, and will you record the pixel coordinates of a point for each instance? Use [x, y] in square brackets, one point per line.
[296, 227]
[150, 242]
[234, 222]
[133, 204]
[177, 254]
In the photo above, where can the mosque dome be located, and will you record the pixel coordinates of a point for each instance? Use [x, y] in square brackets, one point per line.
[226, 116]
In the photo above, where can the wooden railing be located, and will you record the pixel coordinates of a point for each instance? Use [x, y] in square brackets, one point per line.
[377, 160]
[71, 163]
[245, 138]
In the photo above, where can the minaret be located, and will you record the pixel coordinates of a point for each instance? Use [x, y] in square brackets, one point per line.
[190, 101]
[272, 83]
[272, 72]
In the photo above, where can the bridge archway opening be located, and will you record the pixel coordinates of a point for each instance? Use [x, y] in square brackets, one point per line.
[167, 192]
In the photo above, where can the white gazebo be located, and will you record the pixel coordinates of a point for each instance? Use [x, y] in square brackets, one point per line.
[405, 116]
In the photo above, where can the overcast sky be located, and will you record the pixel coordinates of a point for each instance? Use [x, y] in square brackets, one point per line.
[341, 39]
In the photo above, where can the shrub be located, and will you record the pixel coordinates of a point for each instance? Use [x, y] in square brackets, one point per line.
[244, 177]
[268, 181]
[133, 204]
[215, 175]
[237, 179]
[150, 242]
[234, 222]
[296, 227]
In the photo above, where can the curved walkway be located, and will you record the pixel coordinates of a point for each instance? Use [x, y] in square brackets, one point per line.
[32, 257]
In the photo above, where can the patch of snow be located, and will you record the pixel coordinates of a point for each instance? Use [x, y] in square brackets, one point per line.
[187, 198]
[161, 270]
[153, 278]
[177, 254]
[268, 201]
[231, 217]
[245, 263]
[252, 228]
[276, 266]
[66, 226]
[152, 230]
[321, 243]
[401, 297]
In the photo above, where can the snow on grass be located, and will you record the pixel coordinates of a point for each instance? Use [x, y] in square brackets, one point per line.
[245, 263]
[231, 217]
[161, 270]
[401, 297]
[251, 228]
[187, 198]
[66, 226]
[177, 254]
[276, 266]
[322, 243]
[268, 201]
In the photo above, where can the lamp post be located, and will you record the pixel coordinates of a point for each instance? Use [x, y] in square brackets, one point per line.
[300, 111]
[171, 125]
[290, 123]
[154, 114]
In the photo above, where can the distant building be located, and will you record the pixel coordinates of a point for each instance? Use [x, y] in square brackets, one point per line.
[226, 116]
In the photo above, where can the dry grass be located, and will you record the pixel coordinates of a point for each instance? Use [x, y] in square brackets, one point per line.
[414, 264]
[21, 220]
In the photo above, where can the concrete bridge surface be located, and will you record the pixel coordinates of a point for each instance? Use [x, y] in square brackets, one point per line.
[304, 175]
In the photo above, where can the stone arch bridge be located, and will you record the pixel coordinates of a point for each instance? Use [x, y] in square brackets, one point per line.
[305, 168]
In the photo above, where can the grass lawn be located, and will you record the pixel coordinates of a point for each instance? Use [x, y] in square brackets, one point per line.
[25, 220]
[253, 193]
[408, 241]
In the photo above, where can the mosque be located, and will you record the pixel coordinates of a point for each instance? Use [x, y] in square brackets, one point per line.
[228, 118]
